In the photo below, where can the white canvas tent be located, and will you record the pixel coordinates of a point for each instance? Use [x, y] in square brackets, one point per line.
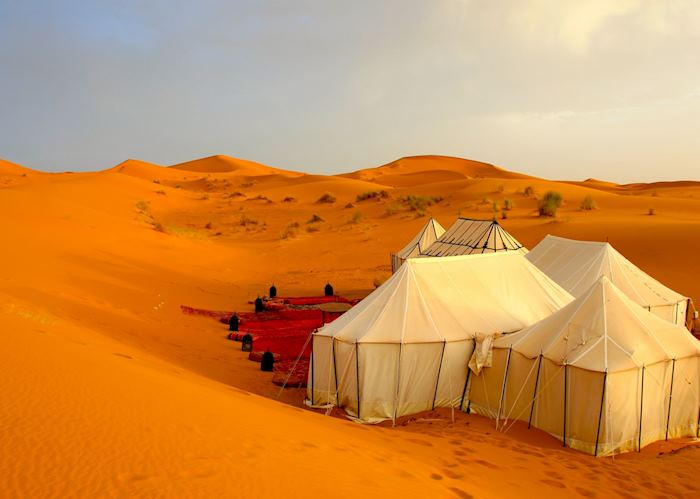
[405, 347]
[430, 232]
[468, 236]
[602, 374]
[576, 265]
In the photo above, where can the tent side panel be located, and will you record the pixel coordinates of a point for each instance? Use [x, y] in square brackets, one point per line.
[519, 388]
[419, 374]
[686, 399]
[453, 373]
[584, 396]
[378, 379]
[347, 376]
[321, 376]
[620, 427]
[549, 405]
[485, 388]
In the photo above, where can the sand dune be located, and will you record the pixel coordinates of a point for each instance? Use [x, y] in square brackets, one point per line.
[109, 390]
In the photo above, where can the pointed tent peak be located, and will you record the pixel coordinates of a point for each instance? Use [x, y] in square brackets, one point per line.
[427, 235]
[468, 236]
[603, 329]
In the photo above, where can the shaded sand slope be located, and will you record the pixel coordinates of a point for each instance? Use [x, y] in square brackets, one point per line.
[96, 419]
[98, 265]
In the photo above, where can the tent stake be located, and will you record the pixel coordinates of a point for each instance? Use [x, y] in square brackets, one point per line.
[437, 382]
[357, 374]
[641, 412]
[534, 394]
[670, 395]
[503, 389]
[600, 414]
[566, 385]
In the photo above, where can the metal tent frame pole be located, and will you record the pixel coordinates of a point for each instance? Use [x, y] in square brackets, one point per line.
[534, 393]
[566, 393]
[641, 412]
[670, 396]
[503, 389]
[335, 374]
[437, 382]
[357, 375]
[600, 414]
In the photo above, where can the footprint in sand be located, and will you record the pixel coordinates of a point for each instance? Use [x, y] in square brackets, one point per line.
[460, 493]
[436, 476]
[553, 483]
[420, 442]
[123, 355]
[486, 463]
[585, 492]
[452, 474]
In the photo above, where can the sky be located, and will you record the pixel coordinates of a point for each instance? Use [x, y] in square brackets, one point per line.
[555, 88]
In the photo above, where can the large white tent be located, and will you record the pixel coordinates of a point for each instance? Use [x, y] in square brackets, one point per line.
[576, 265]
[430, 232]
[467, 236]
[405, 347]
[602, 374]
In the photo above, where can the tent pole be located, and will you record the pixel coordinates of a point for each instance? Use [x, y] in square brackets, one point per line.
[566, 385]
[534, 394]
[641, 412]
[437, 382]
[357, 374]
[670, 395]
[503, 389]
[312, 369]
[464, 392]
[600, 414]
[335, 374]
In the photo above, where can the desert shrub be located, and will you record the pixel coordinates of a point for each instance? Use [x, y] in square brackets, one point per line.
[508, 204]
[529, 191]
[420, 203]
[495, 207]
[142, 207]
[161, 192]
[314, 219]
[486, 201]
[372, 195]
[235, 194]
[504, 214]
[245, 220]
[204, 197]
[549, 204]
[178, 186]
[208, 225]
[290, 231]
[391, 209]
[156, 181]
[327, 198]
[355, 219]
[312, 228]
[289, 199]
[588, 203]
[348, 206]
[651, 212]
[245, 185]
[157, 226]
[500, 188]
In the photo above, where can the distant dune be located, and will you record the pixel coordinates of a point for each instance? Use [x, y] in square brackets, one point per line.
[108, 390]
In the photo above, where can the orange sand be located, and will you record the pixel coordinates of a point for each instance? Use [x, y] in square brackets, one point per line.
[108, 390]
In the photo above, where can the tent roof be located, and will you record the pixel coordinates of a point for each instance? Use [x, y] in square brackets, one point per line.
[603, 329]
[468, 236]
[437, 299]
[430, 232]
[576, 265]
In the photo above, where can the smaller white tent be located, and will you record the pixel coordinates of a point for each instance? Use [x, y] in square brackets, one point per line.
[468, 236]
[430, 232]
[576, 265]
[602, 374]
[405, 347]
